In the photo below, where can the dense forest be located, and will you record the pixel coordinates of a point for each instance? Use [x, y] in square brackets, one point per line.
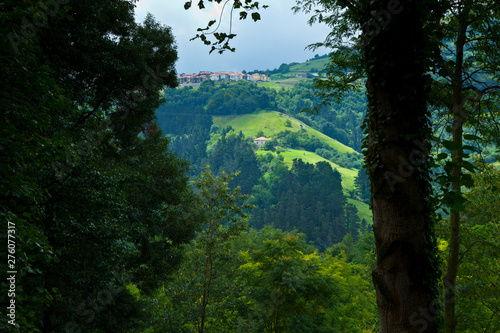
[129, 204]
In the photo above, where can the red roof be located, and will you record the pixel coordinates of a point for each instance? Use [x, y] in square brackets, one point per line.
[261, 139]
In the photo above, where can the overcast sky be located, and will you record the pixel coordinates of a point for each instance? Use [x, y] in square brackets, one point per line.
[279, 37]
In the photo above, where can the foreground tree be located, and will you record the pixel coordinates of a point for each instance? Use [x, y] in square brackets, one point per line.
[97, 200]
[478, 298]
[203, 293]
[289, 287]
[397, 127]
[225, 218]
[465, 97]
[479, 261]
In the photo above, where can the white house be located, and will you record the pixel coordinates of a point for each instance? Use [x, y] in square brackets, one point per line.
[260, 141]
[235, 76]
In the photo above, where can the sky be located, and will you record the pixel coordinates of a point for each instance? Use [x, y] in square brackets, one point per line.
[279, 37]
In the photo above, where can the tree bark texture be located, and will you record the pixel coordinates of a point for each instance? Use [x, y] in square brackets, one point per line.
[397, 158]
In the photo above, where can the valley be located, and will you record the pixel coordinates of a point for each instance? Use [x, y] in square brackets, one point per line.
[215, 125]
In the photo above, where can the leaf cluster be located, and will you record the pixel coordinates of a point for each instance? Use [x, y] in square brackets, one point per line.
[221, 40]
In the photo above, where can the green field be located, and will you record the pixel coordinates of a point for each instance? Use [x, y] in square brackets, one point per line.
[364, 211]
[285, 83]
[279, 81]
[271, 123]
[307, 66]
[289, 155]
[347, 175]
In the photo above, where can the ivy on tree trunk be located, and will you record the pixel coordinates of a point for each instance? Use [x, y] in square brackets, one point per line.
[406, 273]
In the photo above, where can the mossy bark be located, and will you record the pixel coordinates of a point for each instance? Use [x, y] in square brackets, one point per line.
[397, 159]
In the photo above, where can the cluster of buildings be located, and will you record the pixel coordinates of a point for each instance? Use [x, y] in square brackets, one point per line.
[222, 76]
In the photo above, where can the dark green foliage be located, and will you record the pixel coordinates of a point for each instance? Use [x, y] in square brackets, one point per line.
[340, 121]
[362, 184]
[239, 98]
[184, 119]
[95, 206]
[233, 153]
[309, 198]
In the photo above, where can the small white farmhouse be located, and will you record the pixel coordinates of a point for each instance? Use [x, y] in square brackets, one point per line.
[260, 141]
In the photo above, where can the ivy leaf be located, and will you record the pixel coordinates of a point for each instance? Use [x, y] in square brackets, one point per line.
[471, 148]
[441, 156]
[255, 16]
[468, 166]
[467, 180]
[471, 137]
[451, 145]
[187, 5]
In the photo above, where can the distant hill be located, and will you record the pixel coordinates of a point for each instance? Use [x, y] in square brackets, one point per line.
[280, 77]
[204, 126]
[309, 66]
[272, 122]
[312, 65]
[347, 174]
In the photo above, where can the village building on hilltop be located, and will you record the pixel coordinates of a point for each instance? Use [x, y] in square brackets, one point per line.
[222, 76]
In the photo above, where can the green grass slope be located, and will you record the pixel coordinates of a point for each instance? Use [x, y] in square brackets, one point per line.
[273, 122]
[280, 80]
[364, 211]
[289, 155]
[347, 175]
[304, 67]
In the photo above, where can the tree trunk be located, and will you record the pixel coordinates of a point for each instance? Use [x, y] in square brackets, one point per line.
[450, 279]
[397, 158]
[207, 281]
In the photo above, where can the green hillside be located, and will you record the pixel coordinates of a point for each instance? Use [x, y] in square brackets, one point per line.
[280, 80]
[364, 211]
[308, 66]
[347, 175]
[271, 123]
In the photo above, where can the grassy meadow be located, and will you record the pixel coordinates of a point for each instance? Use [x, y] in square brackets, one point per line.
[271, 123]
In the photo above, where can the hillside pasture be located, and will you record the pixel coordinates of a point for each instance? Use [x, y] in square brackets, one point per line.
[346, 174]
[273, 122]
[364, 211]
